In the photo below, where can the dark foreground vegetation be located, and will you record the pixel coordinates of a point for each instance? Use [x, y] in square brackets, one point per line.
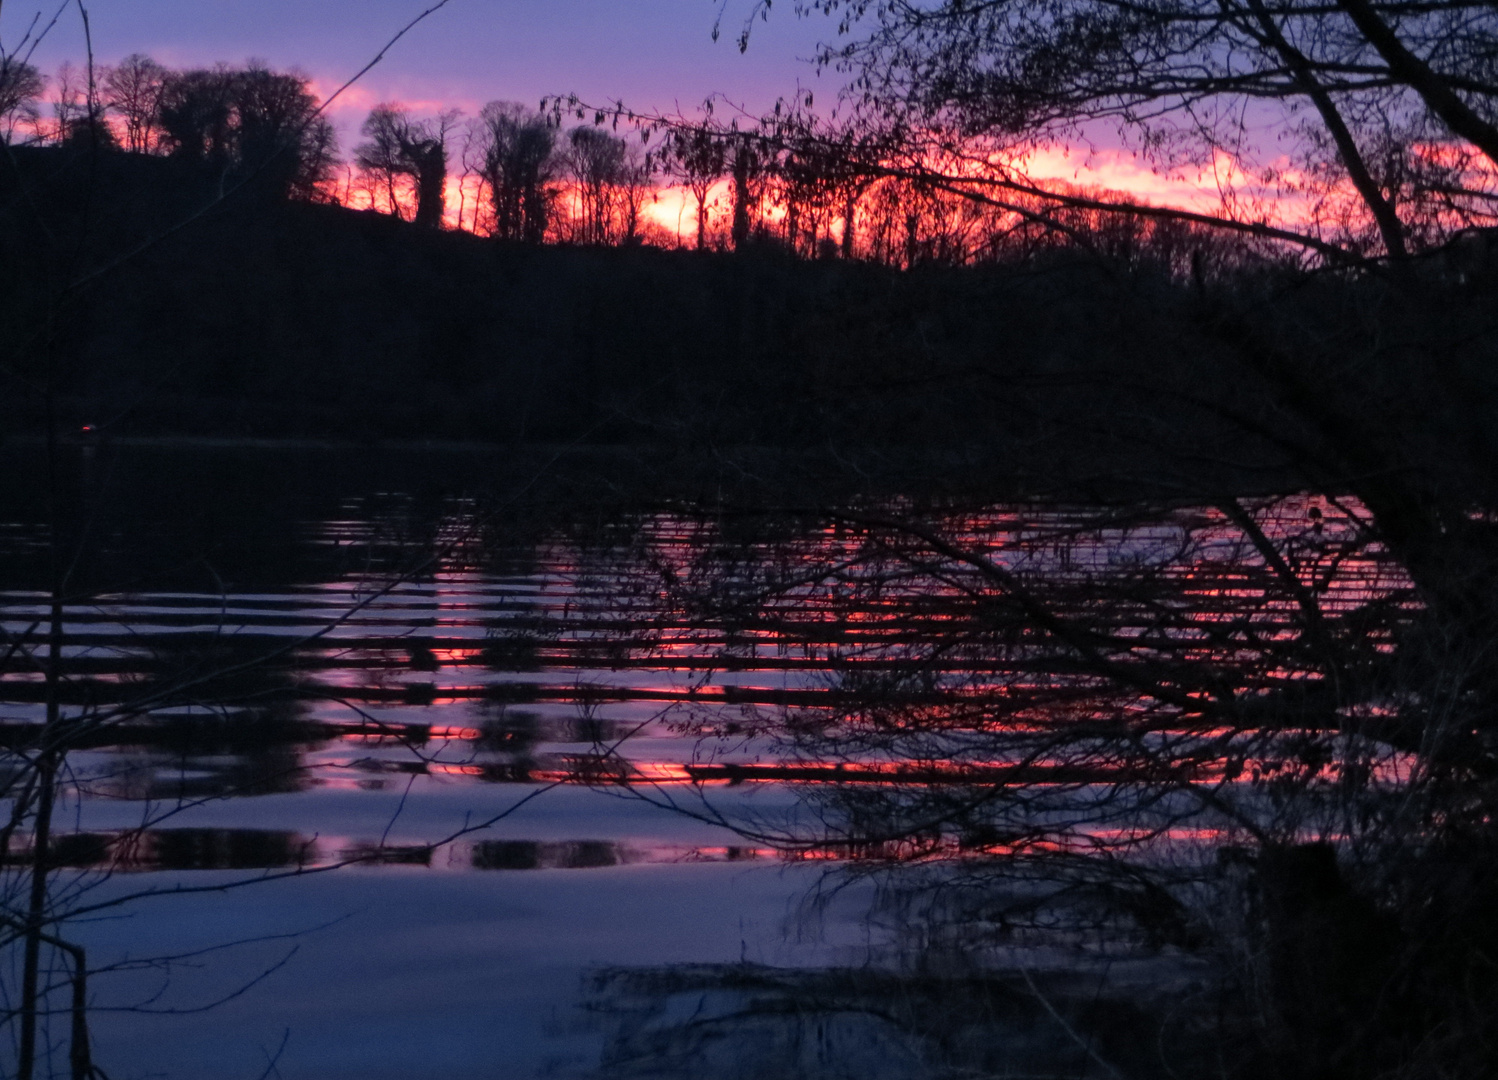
[277, 318]
[284, 318]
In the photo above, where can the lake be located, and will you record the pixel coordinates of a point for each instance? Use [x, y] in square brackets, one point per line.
[413, 763]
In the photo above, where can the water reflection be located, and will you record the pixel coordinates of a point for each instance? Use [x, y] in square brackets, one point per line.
[529, 855]
[913, 666]
[180, 849]
[1057, 731]
[1044, 722]
[745, 1021]
[148, 850]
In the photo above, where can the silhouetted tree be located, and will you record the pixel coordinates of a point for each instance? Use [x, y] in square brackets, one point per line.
[634, 187]
[399, 147]
[597, 162]
[518, 166]
[79, 119]
[280, 132]
[252, 123]
[133, 88]
[89, 132]
[70, 102]
[697, 156]
[20, 87]
[747, 165]
[197, 115]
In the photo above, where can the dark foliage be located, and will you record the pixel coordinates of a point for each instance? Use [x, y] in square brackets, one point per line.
[308, 320]
[248, 125]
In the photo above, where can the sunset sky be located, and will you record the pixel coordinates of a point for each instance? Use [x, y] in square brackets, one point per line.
[651, 53]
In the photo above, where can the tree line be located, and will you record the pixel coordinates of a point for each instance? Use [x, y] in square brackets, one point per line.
[248, 123]
[789, 180]
[1369, 134]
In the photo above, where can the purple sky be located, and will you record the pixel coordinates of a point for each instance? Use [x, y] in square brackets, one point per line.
[652, 53]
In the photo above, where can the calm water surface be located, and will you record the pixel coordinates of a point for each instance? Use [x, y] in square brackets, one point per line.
[438, 700]
[411, 670]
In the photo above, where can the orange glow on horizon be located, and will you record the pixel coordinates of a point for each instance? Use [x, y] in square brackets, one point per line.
[1278, 194]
